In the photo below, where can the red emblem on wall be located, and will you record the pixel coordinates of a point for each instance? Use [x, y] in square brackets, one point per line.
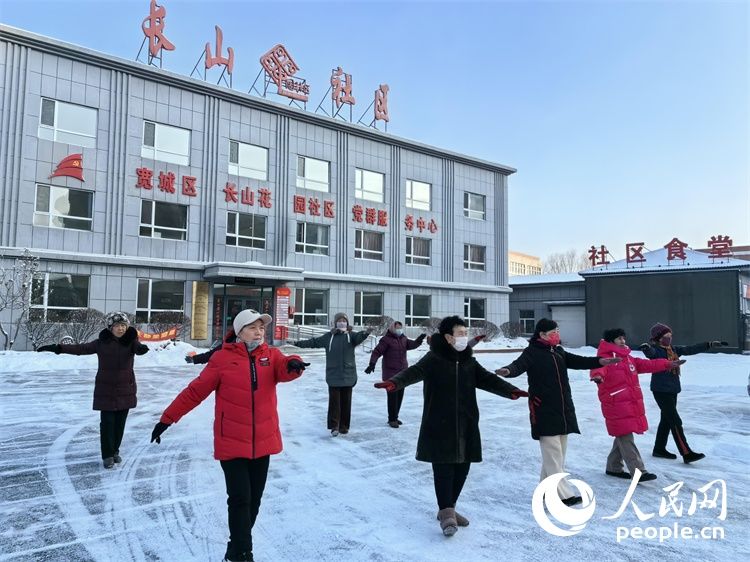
[70, 166]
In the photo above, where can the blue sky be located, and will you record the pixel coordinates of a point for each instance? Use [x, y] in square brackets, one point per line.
[627, 121]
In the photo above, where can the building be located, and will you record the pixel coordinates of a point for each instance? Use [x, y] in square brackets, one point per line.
[145, 191]
[523, 264]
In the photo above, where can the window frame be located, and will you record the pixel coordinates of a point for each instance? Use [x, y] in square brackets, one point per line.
[237, 236]
[409, 316]
[359, 238]
[469, 212]
[153, 225]
[467, 310]
[303, 182]
[359, 191]
[156, 153]
[359, 296]
[55, 128]
[299, 307]
[149, 310]
[236, 168]
[409, 196]
[524, 319]
[469, 263]
[45, 306]
[410, 255]
[50, 215]
[305, 244]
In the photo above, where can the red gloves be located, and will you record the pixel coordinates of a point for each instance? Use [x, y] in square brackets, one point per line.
[388, 385]
[516, 394]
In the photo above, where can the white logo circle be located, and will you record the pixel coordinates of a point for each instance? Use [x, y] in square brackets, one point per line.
[574, 519]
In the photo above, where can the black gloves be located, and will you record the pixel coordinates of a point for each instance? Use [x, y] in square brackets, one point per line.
[717, 343]
[188, 359]
[55, 348]
[141, 349]
[370, 368]
[420, 338]
[296, 366]
[159, 428]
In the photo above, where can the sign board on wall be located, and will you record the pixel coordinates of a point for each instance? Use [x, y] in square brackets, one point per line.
[283, 295]
[199, 317]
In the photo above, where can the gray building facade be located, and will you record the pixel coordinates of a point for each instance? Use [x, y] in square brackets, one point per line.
[187, 182]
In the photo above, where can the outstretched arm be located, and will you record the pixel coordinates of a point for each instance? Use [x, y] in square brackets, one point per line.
[411, 375]
[518, 367]
[320, 341]
[195, 393]
[494, 384]
[579, 362]
[80, 349]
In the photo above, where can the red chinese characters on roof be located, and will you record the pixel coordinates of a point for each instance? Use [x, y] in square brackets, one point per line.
[721, 246]
[634, 252]
[381, 103]
[598, 256]
[341, 89]
[676, 250]
[280, 68]
[212, 61]
[154, 31]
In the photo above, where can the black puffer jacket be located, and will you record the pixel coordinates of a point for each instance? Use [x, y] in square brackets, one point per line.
[551, 409]
[669, 381]
[115, 387]
[450, 419]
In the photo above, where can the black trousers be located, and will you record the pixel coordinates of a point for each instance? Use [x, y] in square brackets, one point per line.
[449, 481]
[339, 407]
[245, 480]
[111, 428]
[670, 421]
[394, 404]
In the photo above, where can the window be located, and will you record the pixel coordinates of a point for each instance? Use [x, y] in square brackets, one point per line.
[60, 207]
[55, 295]
[166, 143]
[417, 309]
[248, 231]
[474, 309]
[526, 318]
[312, 239]
[418, 250]
[163, 220]
[248, 160]
[418, 195]
[68, 123]
[312, 173]
[311, 307]
[367, 307]
[368, 185]
[158, 296]
[474, 207]
[368, 245]
[474, 257]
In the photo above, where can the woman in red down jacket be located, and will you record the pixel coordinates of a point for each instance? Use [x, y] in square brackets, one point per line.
[244, 375]
[622, 401]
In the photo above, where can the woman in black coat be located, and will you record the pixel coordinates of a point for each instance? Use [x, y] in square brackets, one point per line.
[449, 434]
[114, 387]
[551, 409]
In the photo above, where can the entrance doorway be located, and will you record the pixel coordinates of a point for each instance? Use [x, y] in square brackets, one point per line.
[230, 299]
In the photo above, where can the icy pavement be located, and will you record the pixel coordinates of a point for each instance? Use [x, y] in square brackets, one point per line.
[356, 497]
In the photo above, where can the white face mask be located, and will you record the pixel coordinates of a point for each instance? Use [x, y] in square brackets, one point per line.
[250, 345]
[341, 326]
[460, 343]
[398, 331]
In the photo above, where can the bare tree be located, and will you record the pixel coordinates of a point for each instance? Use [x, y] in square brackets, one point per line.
[431, 325]
[379, 324]
[566, 262]
[38, 332]
[163, 321]
[83, 324]
[15, 294]
[484, 328]
[511, 330]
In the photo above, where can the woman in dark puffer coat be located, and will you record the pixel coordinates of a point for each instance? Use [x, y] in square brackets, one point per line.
[449, 436]
[114, 387]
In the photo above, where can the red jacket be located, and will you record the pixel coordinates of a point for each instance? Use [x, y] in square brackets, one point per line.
[246, 421]
[620, 392]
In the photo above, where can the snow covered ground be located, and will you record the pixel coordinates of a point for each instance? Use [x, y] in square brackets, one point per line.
[356, 497]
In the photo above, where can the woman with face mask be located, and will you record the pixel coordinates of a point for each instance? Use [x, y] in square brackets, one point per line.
[449, 436]
[341, 370]
[551, 409]
[665, 385]
[244, 375]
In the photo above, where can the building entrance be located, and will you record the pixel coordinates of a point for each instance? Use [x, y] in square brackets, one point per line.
[230, 299]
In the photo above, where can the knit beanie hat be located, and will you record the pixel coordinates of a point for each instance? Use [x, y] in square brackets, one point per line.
[613, 334]
[116, 318]
[248, 316]
[658, 330]
[544, 325]
[340, 316]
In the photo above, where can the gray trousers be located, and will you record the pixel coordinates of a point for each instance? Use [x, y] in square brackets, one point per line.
[624, 449]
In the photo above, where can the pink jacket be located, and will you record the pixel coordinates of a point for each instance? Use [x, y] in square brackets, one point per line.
[620, 392]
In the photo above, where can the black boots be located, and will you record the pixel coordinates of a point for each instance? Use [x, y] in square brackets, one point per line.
[109, 462]
[663, 454]
[572, 500]
[620, 474]
[692, 457]
[647, 476]
[234, 556]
